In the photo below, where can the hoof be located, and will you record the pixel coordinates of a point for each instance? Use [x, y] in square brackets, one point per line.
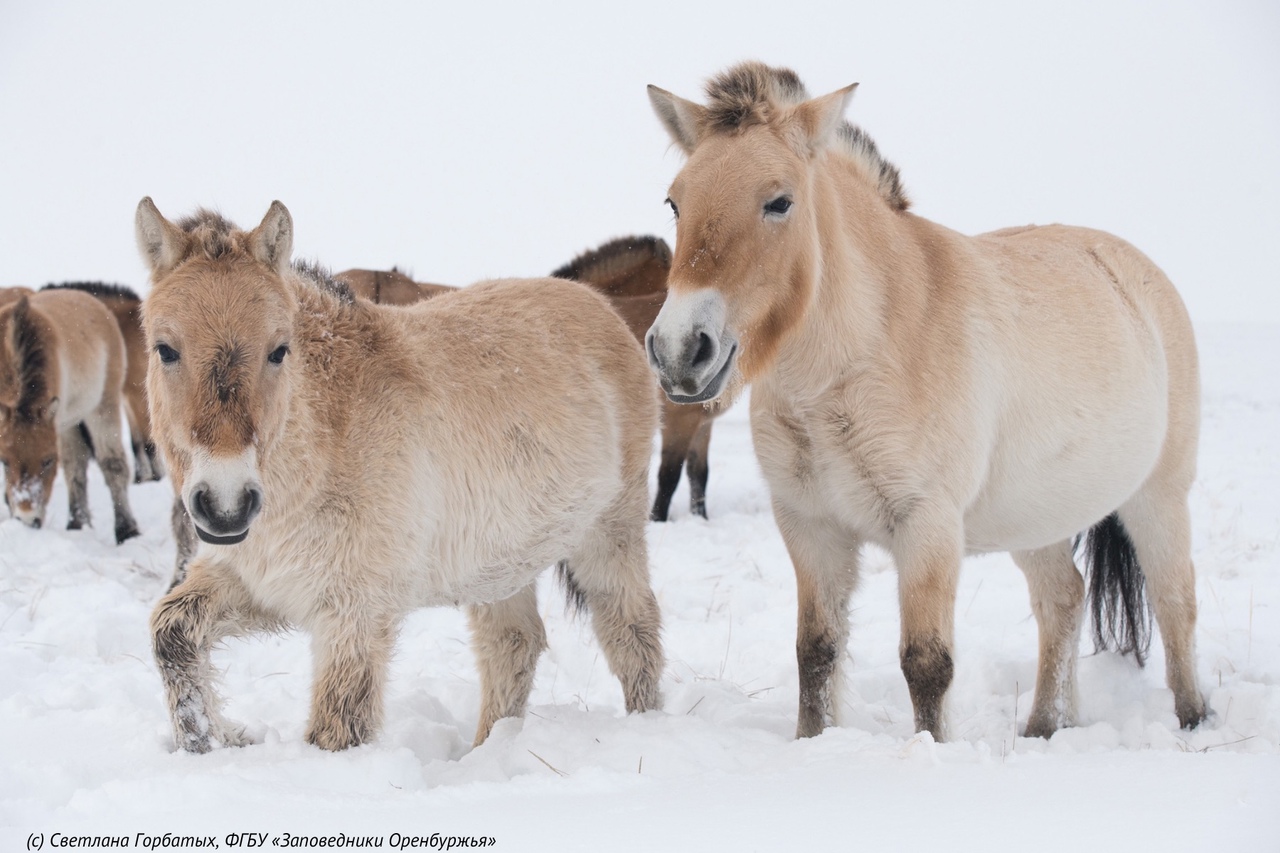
[127, 532]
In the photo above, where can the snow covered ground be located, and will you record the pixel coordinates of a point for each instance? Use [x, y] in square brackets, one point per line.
[85, 747]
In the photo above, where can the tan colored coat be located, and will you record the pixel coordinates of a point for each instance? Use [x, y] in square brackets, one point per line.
[345, 463]
[930, 392]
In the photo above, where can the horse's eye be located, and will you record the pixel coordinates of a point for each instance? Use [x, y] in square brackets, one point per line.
[674, 210]
[278, 354]
[47, 464]
[167, 353]
[778, 206]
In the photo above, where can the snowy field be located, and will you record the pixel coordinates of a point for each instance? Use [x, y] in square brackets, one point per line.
[85, 746]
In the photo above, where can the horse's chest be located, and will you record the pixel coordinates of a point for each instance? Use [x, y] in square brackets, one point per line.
[824, 463]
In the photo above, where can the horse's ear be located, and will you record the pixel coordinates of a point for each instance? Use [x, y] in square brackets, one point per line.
[162, 244]
[272, 241]
[682, 119]
[818, 119]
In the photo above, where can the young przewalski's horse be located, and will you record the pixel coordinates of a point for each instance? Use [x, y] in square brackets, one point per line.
[930, 392]
[126, 307]
[62, 367]
[345, 463]
[632, 272]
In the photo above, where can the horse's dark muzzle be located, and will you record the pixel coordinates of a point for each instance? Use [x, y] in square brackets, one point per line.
[219, 526]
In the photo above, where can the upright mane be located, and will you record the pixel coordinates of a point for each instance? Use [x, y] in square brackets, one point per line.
[213, 234]
[216, 236]
[615, 258]
[23, 379]
[752, 93]
[319, 277]
[97, 288]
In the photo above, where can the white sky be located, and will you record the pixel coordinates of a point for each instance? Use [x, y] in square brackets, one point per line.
[470, 140]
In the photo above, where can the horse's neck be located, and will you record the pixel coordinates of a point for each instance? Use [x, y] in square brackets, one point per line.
[870, 296]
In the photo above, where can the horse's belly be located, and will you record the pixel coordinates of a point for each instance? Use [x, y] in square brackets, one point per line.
[1038, 494]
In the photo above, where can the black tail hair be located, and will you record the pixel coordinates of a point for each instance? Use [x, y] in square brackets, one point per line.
[575, 598]
[88, 439]
[1117, 590]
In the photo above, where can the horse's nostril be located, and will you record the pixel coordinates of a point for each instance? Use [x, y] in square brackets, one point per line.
[254, 500]
[199, 507]
[651, 350]
[35, 522]
[706, 350]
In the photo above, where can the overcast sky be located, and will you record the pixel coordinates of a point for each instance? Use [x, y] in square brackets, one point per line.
[470, 140]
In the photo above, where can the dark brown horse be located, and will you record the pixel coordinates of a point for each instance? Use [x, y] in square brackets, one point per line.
[389, 287]
[126, 307]
[632, 272]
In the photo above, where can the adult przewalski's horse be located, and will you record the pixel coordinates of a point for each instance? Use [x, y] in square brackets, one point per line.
[344, 463]
[930, 392]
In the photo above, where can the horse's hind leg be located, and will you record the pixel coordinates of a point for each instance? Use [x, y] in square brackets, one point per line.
[1159, 524]
[610, 575]
[1057, 600]
[73, 448]
[678, 428]
[697, 467]
[508, 637]
[104, 431]
[135, 410]
[826, 562]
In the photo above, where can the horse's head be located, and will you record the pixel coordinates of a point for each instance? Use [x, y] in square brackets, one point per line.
[219, 322]
[747, 236]
[28, 410]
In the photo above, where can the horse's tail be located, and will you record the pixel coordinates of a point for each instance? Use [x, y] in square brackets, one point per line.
[1117, 590]
[575, 597]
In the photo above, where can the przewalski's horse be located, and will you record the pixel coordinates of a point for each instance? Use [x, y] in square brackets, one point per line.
[624, 266]
[389, 287]
[345, 463]
[126, 307]
[632, 272]
[934, 393]
[62, 366]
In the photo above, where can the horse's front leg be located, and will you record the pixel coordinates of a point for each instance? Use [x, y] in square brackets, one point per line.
[826, 561]
[352, 651]
[928, 552]
[206, 607]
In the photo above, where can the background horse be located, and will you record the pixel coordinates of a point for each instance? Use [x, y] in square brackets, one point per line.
[632, 272]
[389, 287]
[62, 367]
[345, 463]
[126, 307]
[933, 393]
